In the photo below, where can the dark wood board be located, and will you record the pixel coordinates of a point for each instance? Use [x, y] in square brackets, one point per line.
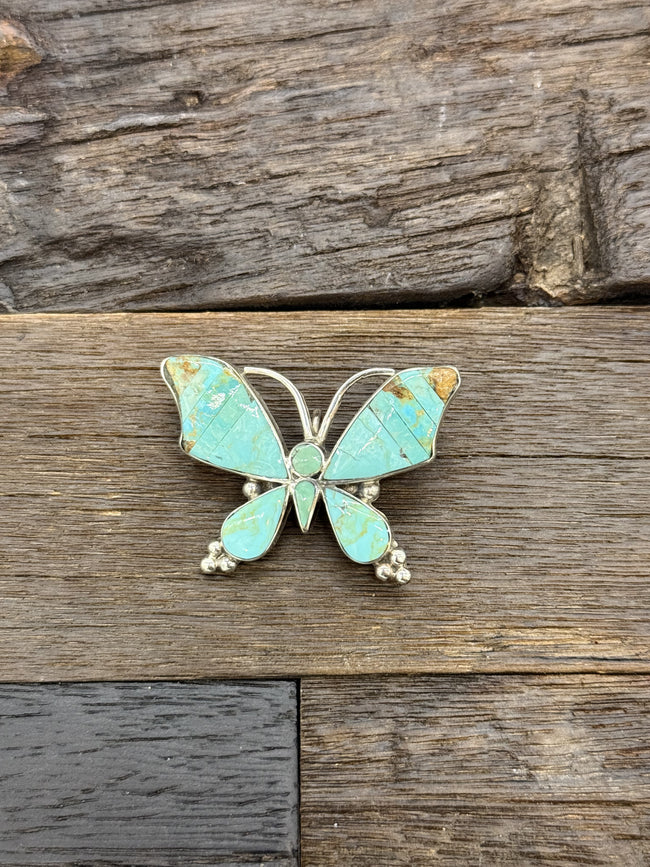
[498, 770]
[162, 774]
[203, 154]
[527, 537]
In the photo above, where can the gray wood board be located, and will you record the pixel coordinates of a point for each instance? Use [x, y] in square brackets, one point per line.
[527, 537]
[204, 154]
[149, 774]
[475, 770]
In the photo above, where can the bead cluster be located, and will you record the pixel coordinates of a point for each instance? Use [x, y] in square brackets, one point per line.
[217, 560]
[392, 566]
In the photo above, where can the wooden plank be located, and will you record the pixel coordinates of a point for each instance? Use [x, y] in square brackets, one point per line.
[527, 538]
[475, 770]
[211, 154]
[164, 774]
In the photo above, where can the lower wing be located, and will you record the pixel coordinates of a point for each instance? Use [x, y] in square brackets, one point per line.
[249, 531]
[360, 529]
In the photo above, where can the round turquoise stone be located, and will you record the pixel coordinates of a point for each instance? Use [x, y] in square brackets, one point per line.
[306, 459]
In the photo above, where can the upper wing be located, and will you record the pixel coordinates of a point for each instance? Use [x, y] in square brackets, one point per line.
[396, 429]
[223, 422]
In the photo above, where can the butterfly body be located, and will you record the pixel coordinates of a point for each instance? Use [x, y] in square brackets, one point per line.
[225, 424]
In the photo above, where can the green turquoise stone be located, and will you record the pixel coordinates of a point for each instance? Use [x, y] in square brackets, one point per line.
[222, 422]
[424, 393]
[395, 431]
[304, 496]
[306, 459]
[249, 531]
[396, 424]
[361, 531]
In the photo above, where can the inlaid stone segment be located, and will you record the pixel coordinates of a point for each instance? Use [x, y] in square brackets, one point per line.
[222, 421]
[361, 531]
[250, 530]
[306, 459]
[304, 496]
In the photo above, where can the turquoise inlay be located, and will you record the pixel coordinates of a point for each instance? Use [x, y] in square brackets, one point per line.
[249, 531]
[304, 496]
[204, 444]
[222, 423]
[361, 531]
[407, 411]
[366, 451]
[214, 412]
[424, 393]
[249, 446]
[386, 407]
[306, 459]
[183, 374]
[192, 394]
[413, 415]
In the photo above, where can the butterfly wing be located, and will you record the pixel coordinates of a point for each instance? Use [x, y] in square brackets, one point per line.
[249, 531]
[360, 529]
[396, 429]
[223, 422]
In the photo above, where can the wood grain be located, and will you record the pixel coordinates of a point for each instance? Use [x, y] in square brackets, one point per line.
[203, 154]
[163, 774]
[475, 770]
[527, 537]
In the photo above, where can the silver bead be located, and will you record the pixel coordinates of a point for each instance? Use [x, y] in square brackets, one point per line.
[215, 548]
[383, 572]
[398, 557]
[368, 491]
[251, 489]
[208, 566]
[402, 576]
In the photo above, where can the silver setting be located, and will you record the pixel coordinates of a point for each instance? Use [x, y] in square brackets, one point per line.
[391, 568]
[365, 491]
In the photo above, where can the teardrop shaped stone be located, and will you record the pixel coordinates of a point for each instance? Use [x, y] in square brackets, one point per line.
[304, 496]
[250, 530]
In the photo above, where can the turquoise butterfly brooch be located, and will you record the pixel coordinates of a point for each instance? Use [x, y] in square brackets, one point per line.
[224, 423]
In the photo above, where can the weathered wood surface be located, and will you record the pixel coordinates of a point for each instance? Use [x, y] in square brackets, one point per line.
[527, 537]
[475, 770]
[225, 154]
[163, 774]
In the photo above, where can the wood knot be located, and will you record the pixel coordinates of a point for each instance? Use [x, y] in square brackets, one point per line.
[18, 51]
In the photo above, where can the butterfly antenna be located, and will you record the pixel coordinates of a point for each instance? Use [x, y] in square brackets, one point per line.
[386, 372]
[291, 388]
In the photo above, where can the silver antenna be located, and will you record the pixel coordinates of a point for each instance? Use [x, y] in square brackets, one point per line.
[338, 397]
[299, 399]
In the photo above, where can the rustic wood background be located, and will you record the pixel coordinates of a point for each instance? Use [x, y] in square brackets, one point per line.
[528, 537]
[474, 770]
[192, 155]
[148, 774]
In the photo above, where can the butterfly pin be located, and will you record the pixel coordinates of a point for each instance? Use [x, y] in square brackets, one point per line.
[224, 423]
